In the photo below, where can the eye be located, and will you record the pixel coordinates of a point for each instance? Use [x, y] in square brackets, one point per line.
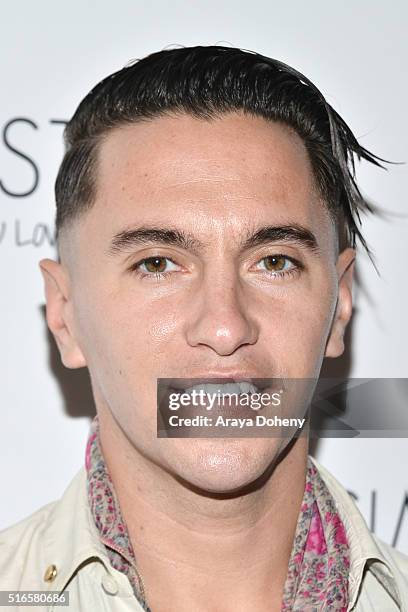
[279, 265]
[155, 266]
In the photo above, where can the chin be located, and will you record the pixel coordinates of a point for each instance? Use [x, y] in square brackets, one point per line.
[223, 466]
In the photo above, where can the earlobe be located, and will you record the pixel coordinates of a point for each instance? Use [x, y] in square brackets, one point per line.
[344, 308]
[59, 313]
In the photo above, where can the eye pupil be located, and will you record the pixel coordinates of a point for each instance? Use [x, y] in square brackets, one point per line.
[274, 263]
[155, 264]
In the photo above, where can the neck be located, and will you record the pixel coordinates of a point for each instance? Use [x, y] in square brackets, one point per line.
[192, 547]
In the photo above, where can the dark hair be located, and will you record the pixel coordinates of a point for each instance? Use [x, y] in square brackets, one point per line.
[206, 82]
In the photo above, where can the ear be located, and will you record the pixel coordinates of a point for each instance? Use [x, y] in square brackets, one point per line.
[59, 313]
[344, 307]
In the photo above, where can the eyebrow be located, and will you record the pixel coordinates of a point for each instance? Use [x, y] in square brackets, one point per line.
[127, 239]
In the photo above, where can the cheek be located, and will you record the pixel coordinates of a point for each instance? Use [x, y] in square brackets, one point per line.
[298, 333]
[161, 328]
[125, 336]
[314, 327]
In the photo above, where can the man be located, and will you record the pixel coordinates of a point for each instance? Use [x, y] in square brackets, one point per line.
[207, 219]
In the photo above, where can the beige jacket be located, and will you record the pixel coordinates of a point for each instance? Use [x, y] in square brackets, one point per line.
[60, 542]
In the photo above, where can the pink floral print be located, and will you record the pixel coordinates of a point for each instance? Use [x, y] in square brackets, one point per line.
[318, 568]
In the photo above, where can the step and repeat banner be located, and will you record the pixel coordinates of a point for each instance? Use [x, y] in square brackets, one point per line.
[51, 56]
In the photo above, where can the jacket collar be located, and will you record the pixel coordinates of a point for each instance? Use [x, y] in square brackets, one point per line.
[363, 548]
[71, 538]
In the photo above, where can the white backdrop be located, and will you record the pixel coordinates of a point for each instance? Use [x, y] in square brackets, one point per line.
[51, 55]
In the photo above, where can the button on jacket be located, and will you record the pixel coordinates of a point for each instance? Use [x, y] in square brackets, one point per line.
[58, 548]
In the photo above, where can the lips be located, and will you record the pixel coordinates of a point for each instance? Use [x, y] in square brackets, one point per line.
[182, 384]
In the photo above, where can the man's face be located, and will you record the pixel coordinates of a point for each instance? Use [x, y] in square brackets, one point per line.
[210, 301]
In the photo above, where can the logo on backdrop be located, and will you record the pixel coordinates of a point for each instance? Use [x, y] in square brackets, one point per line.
[16, 231]
[401, 514]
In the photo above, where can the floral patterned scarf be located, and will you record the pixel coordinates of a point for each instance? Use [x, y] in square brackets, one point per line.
[319, 564]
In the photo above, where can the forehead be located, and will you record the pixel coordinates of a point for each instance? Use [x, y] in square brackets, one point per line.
[233, 169]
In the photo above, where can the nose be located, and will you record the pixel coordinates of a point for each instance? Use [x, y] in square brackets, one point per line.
[221, 318]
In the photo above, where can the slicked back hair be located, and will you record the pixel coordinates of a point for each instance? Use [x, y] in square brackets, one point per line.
[206, 82]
